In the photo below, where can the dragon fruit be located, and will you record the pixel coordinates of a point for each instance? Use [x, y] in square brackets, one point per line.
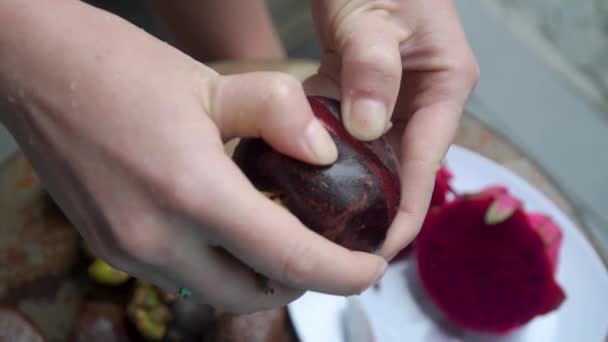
[549, 232]
[486, 264]
[442, 188]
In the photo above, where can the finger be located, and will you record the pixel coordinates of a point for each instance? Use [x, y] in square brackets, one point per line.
[218, 279]
[424, 144]
[175, 255]
[272, 106]
[272, 241]
[370, 76]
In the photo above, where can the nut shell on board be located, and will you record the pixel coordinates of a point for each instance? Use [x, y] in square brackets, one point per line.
[351, 202]
[37, 240]
[191, 321]
[17, 327]
[262, 326]
[100, 322]
[39, 251]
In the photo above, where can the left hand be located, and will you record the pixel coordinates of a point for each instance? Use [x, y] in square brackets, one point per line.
[405, 59]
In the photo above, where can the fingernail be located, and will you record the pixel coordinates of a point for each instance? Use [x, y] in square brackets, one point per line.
[320, 144]
[388, 127]
[366, 119]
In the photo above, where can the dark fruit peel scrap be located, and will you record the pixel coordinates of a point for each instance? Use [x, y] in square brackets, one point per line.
[487, 272]
[351, 202]
[268, 325]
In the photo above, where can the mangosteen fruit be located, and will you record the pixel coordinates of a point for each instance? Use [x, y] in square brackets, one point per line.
[351, 202]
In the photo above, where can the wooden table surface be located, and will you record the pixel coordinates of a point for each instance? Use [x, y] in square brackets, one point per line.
[28, 197]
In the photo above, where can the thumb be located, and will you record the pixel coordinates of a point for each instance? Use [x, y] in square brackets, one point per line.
[370, 76]
[271, 106]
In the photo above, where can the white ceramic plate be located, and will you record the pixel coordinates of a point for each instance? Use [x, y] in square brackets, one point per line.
[397, 312]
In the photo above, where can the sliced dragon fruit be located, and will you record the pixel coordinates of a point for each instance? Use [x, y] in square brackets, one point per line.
[484, 265]
[442, 187]
[549, 232]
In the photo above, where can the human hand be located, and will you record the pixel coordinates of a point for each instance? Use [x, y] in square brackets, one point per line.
[408, 59]
[127, 133]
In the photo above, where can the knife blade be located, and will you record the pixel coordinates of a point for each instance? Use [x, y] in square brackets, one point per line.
[356, 324]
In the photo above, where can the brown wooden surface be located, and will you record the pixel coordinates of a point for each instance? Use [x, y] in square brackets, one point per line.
[21, 196]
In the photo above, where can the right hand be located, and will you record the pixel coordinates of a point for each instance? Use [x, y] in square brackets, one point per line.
[127, 133]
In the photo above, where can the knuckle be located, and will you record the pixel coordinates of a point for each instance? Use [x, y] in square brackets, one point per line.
[358, 288]
[281, 87]
[468, 67]
[278, 95]
[377, 60]
[179, 188]
[204, 82]
[142, 242]
[175, 187]
[297, 266]
[358, 284]
[473, 71]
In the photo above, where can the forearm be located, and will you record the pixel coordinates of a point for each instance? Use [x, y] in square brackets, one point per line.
[61, 53]
[227, 29]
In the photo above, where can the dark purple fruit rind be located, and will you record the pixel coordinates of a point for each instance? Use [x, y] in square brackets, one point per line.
[351, 202]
